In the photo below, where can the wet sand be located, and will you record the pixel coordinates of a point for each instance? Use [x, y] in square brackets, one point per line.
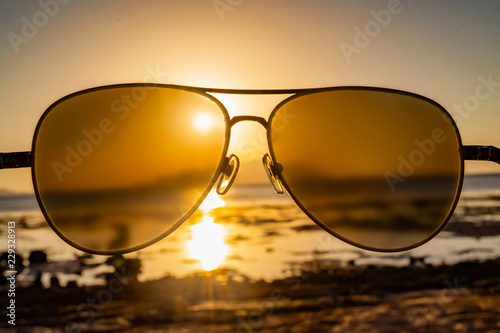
[315, 297]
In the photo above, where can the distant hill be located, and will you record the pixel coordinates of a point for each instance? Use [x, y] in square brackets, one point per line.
[7, 193]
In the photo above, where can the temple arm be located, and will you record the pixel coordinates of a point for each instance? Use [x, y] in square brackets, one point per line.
[477, 153]
[15, 160]
[481, 153]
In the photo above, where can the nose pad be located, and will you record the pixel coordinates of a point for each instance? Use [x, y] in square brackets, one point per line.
[273, 171]
[228, 174]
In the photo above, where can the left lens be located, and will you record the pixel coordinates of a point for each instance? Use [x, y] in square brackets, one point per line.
[377, 168]
[117, 168]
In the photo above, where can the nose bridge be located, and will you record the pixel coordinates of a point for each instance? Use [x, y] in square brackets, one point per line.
[273, 169]
[259, 120]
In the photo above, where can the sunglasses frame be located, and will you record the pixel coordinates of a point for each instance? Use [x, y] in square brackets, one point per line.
[26, 159]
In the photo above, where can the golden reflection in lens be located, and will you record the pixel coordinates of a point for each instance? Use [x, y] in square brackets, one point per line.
[207, 244]
[117, 167]
[377, 168]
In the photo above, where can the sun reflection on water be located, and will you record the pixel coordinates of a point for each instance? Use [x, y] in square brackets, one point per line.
[207, 244]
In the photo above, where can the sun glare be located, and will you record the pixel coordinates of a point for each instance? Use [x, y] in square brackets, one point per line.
[207, 244]
[212, 201]
[203, 121]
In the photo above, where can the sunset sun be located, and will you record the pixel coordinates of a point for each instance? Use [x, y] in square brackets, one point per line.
[203, 122]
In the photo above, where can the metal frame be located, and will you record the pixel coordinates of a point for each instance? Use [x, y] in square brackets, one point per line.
[28, 158]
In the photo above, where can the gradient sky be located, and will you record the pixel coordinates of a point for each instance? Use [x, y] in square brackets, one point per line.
[435, 48]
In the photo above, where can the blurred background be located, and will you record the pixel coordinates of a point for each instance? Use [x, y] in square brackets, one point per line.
[445, 50]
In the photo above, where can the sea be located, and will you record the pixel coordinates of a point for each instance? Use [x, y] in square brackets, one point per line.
[251, 232]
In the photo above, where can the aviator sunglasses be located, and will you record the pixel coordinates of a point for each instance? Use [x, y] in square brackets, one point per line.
[117, 168]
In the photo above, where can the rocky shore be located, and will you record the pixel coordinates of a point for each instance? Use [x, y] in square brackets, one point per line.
[314, 297]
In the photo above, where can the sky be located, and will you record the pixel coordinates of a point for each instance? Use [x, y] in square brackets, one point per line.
[448, 51]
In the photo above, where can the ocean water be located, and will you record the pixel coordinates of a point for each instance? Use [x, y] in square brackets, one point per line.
[253, 232]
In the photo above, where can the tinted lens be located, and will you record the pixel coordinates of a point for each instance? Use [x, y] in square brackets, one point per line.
[378, 168]
[119, 167]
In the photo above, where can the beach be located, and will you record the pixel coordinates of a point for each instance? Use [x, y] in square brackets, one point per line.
[316, 298]
[274, 271]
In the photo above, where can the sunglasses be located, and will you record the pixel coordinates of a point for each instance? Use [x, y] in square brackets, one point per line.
[117, 168]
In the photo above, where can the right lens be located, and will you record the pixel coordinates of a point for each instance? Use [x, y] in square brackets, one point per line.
[377, 168]
[116, 168]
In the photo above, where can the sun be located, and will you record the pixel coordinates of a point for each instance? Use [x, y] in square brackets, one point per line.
[203, 122]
